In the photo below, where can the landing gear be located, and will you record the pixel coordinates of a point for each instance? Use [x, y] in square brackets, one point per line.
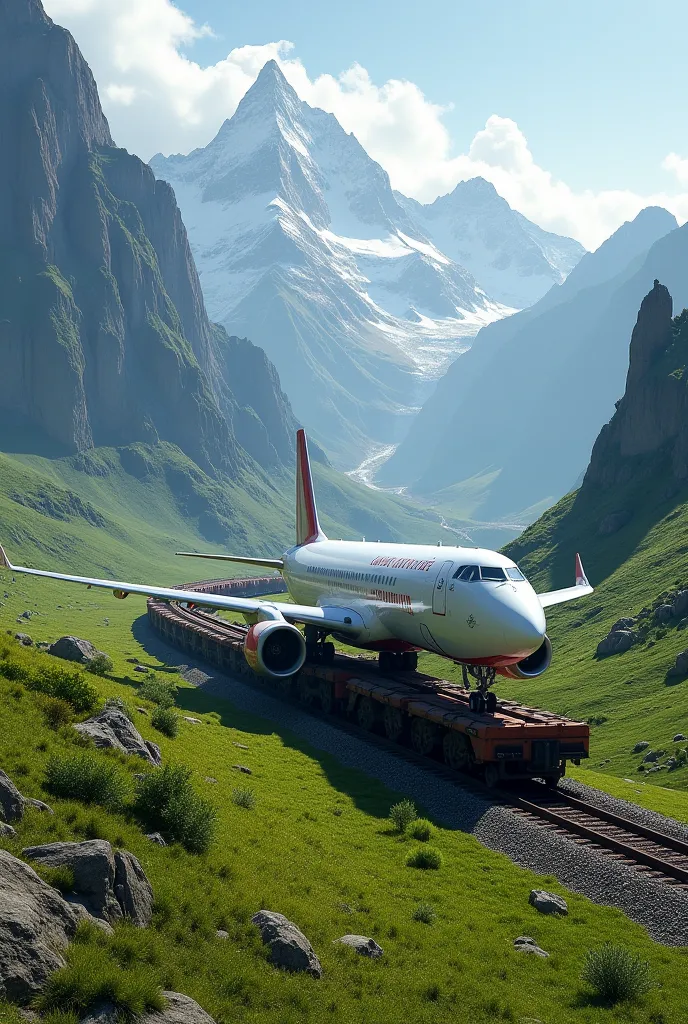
[390, 662]
[317, 647]
[480, 700]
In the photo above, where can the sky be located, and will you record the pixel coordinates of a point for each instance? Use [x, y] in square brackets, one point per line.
[574, 110]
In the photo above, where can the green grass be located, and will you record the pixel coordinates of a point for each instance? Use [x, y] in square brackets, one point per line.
[319, 848]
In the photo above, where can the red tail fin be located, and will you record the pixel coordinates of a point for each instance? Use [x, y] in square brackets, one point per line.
[307, 525]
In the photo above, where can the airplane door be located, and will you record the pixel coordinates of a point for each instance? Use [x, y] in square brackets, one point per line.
[439, 594]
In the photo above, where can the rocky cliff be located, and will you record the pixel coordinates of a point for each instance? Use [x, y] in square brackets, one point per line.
[104, 337]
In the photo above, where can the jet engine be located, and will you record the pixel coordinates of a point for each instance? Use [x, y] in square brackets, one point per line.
[534, 665]
[274, 648]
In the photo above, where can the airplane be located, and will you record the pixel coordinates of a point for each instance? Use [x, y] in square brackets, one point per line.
[470, 605]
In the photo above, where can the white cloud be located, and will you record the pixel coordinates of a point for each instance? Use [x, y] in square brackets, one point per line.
[158, 99]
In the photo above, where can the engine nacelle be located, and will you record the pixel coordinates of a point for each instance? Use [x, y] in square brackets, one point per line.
[275, 648]
[534, 665]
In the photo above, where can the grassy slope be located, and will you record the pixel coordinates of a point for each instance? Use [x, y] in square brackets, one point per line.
[316, 840]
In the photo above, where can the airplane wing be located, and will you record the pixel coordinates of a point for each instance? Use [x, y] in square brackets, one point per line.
[268, 563]
[344, 620]
[581, 588]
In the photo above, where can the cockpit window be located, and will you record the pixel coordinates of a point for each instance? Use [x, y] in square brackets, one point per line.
[467, 573]
[514, 573]
[490, 572]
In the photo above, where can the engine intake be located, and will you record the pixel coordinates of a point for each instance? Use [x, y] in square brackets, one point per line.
[534, 665]
[273, 648]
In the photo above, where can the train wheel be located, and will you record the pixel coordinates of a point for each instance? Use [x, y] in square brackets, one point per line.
[325, 694]
[409, 661]
[491, 703]
[394, 723]
[456, 750]
[386, 662]
[423, 736]
[366, 713]
[306, 695]
[476, 703]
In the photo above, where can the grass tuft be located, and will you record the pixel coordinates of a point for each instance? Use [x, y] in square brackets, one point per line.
[420, 829]
[425, 913]
[165, 720]
[88, 777]
[616, 974]
[244, 798]
[425, 857]
[101, 665]
[402, 814]
[158, 691]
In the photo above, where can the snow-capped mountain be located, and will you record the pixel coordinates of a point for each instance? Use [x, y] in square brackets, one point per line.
[302, 245]
[514, 260]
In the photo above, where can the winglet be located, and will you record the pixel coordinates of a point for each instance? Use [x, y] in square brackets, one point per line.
[581, 578]
[4, 560]
[307, 525]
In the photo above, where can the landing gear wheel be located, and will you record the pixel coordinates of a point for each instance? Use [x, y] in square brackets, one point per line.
[325, 695]
[409, 661]
[327, 653]
[386, 663]
[394, 723]
[476, 703]
[491, 703]
[366, 713]
[423, 736]
[491, 775]
[456, 750]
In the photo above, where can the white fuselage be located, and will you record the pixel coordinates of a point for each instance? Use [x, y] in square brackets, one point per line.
[409, 596]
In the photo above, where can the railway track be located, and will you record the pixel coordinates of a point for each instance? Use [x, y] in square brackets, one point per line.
[645, 849]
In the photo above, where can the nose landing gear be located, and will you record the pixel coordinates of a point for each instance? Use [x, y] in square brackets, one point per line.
[318, 648]
[480, 700]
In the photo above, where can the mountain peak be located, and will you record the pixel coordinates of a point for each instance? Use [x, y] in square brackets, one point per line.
[269, 93]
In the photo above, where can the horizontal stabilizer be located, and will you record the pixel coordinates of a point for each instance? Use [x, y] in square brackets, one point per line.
[581, 588]
[267, 563]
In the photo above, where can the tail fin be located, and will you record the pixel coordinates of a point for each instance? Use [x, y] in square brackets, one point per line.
[307, 525]
[4, 560]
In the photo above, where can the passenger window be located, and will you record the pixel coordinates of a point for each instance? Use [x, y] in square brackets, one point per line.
[515, 574]
[489, 572]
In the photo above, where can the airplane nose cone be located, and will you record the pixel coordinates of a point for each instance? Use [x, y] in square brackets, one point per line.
[522, 627]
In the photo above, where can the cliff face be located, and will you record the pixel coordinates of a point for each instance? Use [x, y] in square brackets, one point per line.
[104, 338]
[648, 434]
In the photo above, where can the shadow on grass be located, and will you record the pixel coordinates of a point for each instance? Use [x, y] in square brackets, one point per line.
[214, 694]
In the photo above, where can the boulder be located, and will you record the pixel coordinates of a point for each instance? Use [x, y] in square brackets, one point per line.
[625, 623]
[7, 830]
[680, 604]
[93, 865]
[39, 805]
[242, 768]
[112, 728]
[72, 648]
[180, 1009]
[680, 666]
[664, 614]
[616, 643]
[155, 837]
[132, 889]
[640, 745]
[24, 639]
[653, 755]
[363, 945]
[192, 720]
[36, 923]
[221, 934]
[289, 947]
[678, 737]
[525, 944]
[547, 902]
[142, 669]
[12, 803]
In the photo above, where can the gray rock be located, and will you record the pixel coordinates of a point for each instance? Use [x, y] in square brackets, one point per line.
[72, 648]
[242, 768]
[93, 866]
[180, 1009]
[111, 728]
[653, 755]
[221, 934]
[680, 666]
[142, 669]
[142, 711]
[525, 944]
[625, 623]
[678, 737]
[363, 945]
[24, 639]
[104, 1013]
[155, 837]
[211, 780]
[241, 746]
[192, 720]
[12, 803]
[664, 614]
[25, 615]
[38, 805]
[680, 604]
[616, 643]
[289, 947]
[7, 830]
[132, 889]
[36, 923]
[547, 902]
[640, 745]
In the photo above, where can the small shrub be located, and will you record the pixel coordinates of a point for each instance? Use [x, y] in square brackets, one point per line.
[56, 712]
[420, 829]
[117, 704]
[425, 913]
[61, 878]
[69, 685]
[14, 672]
[165, 720]
[167, 802]
[402, 814]
[101, 665]
[616, 974]
[158, 691]
[88, 777]
[425, 857]
[244, 798]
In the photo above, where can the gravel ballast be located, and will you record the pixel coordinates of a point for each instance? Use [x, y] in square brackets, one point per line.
[657, 905]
